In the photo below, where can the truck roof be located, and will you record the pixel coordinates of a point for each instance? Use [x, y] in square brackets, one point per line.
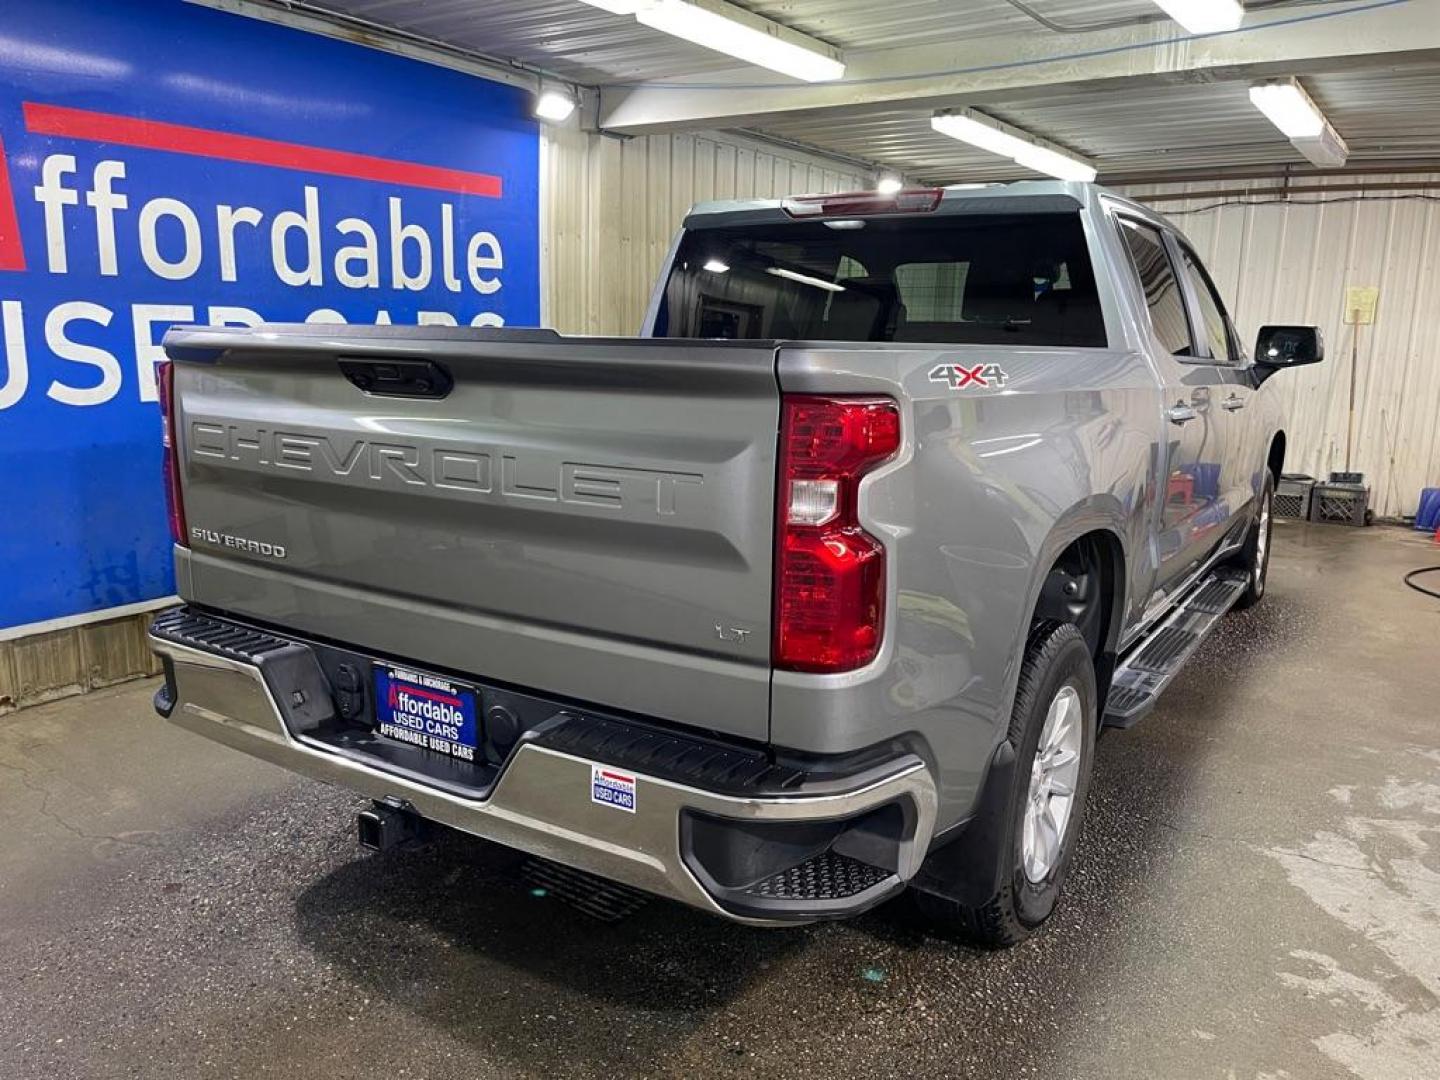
[1015, 197]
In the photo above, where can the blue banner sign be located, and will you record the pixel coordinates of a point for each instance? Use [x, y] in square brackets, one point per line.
[165, 163]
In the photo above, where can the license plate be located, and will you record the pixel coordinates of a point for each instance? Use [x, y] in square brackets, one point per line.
[427, 711]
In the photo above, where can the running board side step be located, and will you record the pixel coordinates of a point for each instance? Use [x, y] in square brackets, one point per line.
[1148, 668]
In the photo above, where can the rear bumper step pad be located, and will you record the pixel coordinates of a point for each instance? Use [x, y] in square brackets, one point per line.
[827, 876]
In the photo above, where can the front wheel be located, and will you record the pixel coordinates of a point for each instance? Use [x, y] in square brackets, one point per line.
[1052, 730]
[1255, 556]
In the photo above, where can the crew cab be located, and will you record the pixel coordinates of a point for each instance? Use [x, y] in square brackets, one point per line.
[820, 588]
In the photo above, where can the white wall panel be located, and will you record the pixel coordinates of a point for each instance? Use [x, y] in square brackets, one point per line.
[1291, 261]
[609, 209]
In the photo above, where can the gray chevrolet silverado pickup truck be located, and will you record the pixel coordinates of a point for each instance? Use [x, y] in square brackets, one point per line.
[822, 587]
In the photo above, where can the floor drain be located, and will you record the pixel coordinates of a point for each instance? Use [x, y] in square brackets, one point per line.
[602, 900]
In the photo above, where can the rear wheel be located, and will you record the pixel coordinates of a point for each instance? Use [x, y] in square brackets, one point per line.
[1255, 556]
[1052, 730]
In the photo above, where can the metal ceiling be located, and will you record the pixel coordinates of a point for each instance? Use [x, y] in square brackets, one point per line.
[1387, 113]
[590, 46]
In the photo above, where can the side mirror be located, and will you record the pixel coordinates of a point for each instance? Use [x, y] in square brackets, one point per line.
[1279, 347]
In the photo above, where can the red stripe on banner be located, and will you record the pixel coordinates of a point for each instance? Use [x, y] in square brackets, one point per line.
[621, 777]
[12, 254]
[179, 139]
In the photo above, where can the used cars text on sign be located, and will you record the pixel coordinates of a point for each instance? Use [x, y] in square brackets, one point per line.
[162, 164]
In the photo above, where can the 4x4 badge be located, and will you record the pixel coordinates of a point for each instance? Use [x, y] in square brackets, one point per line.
[958, 376]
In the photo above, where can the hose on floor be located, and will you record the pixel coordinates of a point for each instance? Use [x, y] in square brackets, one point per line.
[1409, 580]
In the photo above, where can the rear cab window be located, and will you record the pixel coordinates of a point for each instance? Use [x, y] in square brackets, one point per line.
[991, 279]
[1159, 285]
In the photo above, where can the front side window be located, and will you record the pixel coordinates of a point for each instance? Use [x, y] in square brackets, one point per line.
[1212, 311]
[1159, 286]
[993, 279]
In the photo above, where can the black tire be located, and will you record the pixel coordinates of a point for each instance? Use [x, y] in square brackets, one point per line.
[1254, 557]
[1055, 657]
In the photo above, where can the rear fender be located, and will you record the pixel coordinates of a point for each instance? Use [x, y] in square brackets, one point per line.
[991, 486]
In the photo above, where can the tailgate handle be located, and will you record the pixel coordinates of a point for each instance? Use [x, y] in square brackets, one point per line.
[398, 378]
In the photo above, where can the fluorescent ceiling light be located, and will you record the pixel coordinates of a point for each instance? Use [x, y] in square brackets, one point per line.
[1024, 149]
[889, 184]
[804, 279]
[1286, 105]
[1289, 108]
[1054, 163]
[1203, 16]
[987, 136]
[1326, 151]
[729, 29]
[554, 105]
[715, 266]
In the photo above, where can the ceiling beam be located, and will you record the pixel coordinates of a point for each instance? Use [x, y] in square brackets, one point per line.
[974, 71]
[1277, 174]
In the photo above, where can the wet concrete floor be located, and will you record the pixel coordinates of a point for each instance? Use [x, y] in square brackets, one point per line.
[1257, 895]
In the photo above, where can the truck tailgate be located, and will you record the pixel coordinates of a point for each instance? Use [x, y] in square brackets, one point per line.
[591, 517]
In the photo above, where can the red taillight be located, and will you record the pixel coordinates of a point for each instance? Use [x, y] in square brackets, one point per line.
[862, 203]
[830, 573]
[174, 504]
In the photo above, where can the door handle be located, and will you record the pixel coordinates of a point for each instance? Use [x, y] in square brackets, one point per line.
[1181, 413]
[1233, 403]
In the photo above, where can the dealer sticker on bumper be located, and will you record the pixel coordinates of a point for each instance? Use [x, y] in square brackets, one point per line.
[611, 788]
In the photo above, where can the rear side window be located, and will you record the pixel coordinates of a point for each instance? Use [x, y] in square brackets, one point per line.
[1158, 283]
[1217, 331]
[982, 279]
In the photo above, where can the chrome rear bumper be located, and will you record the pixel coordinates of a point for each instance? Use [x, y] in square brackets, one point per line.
[541, 802]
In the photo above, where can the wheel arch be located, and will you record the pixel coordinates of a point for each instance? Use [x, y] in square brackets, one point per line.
[1100, 523]
[1101, 552]
[1100, 519]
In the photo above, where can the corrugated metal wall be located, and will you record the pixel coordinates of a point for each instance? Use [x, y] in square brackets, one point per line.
[42, 667]
[609, 209]
[1291, 261]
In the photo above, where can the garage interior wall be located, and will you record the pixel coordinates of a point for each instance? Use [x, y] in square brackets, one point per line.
[1281, 258]
[609, 209]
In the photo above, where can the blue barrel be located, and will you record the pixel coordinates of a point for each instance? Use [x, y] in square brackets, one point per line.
[1428, 516]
